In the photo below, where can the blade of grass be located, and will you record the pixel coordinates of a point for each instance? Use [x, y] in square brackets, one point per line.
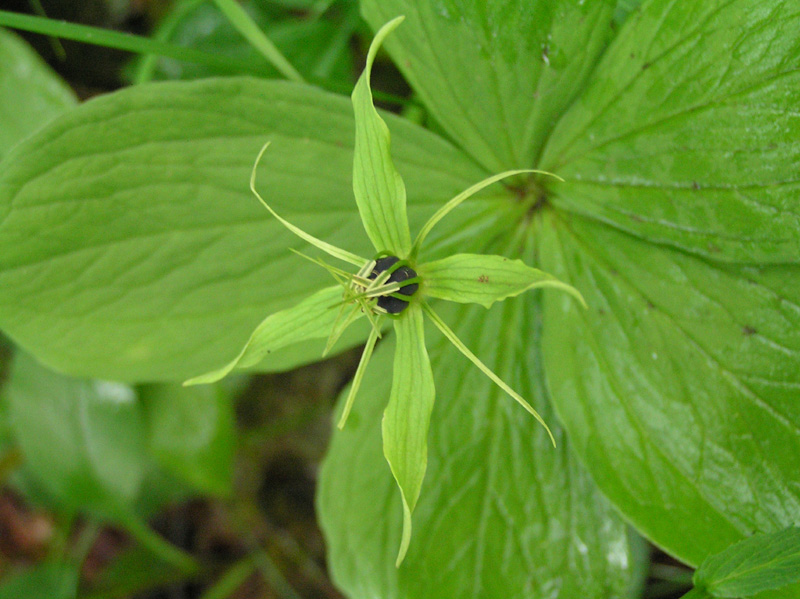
[230, 582]
[55, 43]
[145, 70]
[161, 548]
[338, 42]
[114, 39]
[273, 576]
[239, 18]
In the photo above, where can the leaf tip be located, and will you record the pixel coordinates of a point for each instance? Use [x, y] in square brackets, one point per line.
[406, 538]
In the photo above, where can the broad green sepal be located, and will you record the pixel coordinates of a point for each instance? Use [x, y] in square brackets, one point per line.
[485, 279]
[408, 415]
[310, 319]
[379, 190]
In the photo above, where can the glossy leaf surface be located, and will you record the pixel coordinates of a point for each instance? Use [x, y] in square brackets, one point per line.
[759, 563]
[689, 132]
[679, 385]
[135, 209]
[496, 75]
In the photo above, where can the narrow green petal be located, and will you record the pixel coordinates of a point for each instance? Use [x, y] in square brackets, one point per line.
[362, 368]
[310, 319]
[379, 190]
[332, 250]
[462, 197]
[451, 336]
[408, 415]
[482, 279]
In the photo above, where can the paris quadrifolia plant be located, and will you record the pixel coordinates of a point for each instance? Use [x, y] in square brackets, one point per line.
[393, 286]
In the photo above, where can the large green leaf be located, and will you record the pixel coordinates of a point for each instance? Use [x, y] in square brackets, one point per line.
[83, 441]
[496, 74]
[131, 247]
[30, 93]
[679, 385]
[192, 433]
[689, 132]
[502, 513]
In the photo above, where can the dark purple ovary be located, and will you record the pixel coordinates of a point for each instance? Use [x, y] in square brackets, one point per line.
[394, 305]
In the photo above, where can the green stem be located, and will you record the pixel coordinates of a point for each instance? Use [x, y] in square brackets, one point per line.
[55, 43]
[85, 541]
[230, 582]
[114, 39]
[162, 549]
[272, 575]
[239, 18]
[146, 67]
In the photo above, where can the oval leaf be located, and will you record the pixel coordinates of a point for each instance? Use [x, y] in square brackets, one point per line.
[679, 385]
[83, 440]
[502, 514]
[131, 247]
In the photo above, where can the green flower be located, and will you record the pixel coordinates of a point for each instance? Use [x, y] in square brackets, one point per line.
[394, 285]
